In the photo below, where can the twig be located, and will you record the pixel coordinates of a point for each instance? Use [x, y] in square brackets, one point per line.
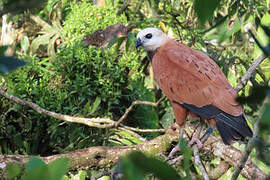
[197, 159]
[251, 69]
[250, 145]
[122, 9]
[198, 162]
[134, 103]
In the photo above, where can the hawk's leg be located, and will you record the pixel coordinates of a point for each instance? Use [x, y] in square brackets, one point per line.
[176, 148]
[196, 137]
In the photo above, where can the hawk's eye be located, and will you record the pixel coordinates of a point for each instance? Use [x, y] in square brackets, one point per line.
[148, 36]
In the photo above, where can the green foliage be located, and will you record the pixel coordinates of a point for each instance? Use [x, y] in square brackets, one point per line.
[13, 170]
[88, 82]
[136, 165]
[124, 138]
[19, 6]
[49, 35]
[205, 9]
[86, 18]
[37, 169]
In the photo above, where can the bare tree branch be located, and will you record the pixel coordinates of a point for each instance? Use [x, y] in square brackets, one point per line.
[199, 163]
[134, 103]
[251, 69]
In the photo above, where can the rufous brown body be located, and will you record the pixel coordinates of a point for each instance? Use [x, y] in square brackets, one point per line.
[195, 84]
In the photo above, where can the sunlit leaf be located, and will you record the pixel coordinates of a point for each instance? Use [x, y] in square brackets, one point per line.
[25, 44]
[40, 40]
[168, 118]
[95, 105]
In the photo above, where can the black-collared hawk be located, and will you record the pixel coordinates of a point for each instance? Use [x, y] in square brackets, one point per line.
[195, 84]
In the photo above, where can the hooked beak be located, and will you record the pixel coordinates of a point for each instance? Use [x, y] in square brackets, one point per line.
[138, 43]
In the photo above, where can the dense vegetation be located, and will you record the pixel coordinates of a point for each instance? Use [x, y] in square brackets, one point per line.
[66, 77]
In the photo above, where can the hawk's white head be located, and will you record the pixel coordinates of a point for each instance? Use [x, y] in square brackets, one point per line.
[151, 39]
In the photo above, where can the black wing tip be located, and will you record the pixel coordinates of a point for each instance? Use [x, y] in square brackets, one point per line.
[230, 134]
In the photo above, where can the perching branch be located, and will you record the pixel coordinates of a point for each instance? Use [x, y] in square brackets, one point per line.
[103, 156]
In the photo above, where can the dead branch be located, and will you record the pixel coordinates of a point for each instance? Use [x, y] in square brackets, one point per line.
[199, 163]
[251, 69]
[123, 8]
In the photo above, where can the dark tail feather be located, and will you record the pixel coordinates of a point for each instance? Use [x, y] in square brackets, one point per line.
[232, 128]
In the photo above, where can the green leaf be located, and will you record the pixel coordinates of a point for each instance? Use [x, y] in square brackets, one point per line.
[130, 170]
[141, 113]
[34, 162]
[130, 39]
[124, 138]
[25, 44]
[40, 40]
[8, 64]
[256, 96]
[151, 165]
[13, 170]
[37, 169]
[187, 153]
[205, 9]
[118, 41]
[3, 50]
[95, 105]
[168, 118]
[58, 168]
